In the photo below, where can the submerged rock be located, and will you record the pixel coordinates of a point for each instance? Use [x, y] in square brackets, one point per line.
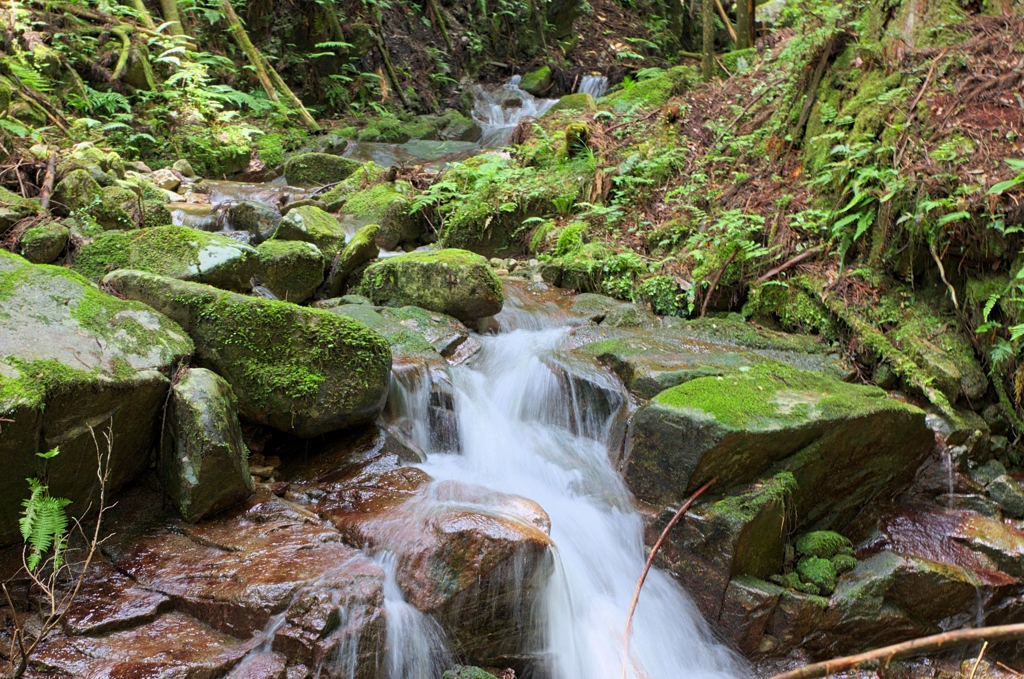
[43, 244]
[175, 251]
[204, 463]
[317, 169]
[845, 444]
[292, 270]
[300, 370]
[311, 224]
[75, 358]
[453, 282]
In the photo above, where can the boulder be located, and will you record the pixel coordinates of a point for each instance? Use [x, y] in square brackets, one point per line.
[368, 174]
[175, 251]
[300, 370]
[77, 191]
[454, 282]
[537, 82]
[75, 358]
[165, 179]
[184, 168]
[457, 127]
[845, 444]
[1009, 494]
[574, 103]
[317, 169]
[312, 225]
[292, 270]
[43, 244]
[97, 162]
[204, 463]
[385, 204]
[14, 208]
[361, 250]
[258, 219]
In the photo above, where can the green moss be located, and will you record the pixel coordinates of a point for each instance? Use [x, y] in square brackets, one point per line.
[747, 505]
[273, 146]
[772, 393]
[310, 224]
[819, 572]
[385, 128]
[574, 103]
[823, 544]
[654, 91]
[844, 563]
[292, 270]
[793, 306]
[367, 175]
[536, 82]
[467, 672]
[570, 239]
[317, 169]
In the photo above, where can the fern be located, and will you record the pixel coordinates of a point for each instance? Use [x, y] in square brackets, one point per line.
[44, 522]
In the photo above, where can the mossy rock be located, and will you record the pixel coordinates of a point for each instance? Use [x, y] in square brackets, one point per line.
[311, 224]
[408, 343]
[204, 462]
[537, 82]
[73, 357]
[361, 250]
[823, 544]
[43, 244]
[292, 270]
[574, 103]
[845, 444]
[389, 129]
[117, 209]
[366, 176]
[655, 90]
[77, 191]
[819, 572]
[317, 169]
[213, 154]
[386, 205]
[87, 155]
[14, 208]
[259, 220]
[457, 127]
[300, 370]
[175, 251]
[453, 282]
[467, 672]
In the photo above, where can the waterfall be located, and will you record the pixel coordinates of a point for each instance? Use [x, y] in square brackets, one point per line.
[594, 85]
[500, 110]
[529, 424]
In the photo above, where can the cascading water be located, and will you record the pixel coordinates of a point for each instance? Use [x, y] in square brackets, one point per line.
[525, 429]
[500, 110]
[594, 85]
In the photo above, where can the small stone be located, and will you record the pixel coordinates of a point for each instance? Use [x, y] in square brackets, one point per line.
[496, 262]
[501, 272]
[264, 472]
[987, 472]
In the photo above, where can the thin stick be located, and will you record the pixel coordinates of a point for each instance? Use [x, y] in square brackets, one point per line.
[647, 568]
[782, 267]
[977, 662]
[936, 642]
[48, 180]
[714, 282]
[942, 273]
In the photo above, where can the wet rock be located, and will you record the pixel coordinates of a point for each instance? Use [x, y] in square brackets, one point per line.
[845, 444]
[175, 251]
[312, 225]
[184, 168]
[457, 127]
[360, 250]
[87, 156]
[738, 535]
[14, 208]
[203, 463]
[1009, 494]
[453, 282]
[300, 203]
[746, 611]
[75, 357]
[292, 270]
[467, 672]
[317, 169]
[300, 370]
[77, 191]
[109, 602]
[796, 617]
[537, 82]
[258, 219]
[43, 244]
[386, 204]
[261, 665]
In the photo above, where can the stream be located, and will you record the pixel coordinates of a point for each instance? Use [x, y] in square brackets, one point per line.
[526, 429]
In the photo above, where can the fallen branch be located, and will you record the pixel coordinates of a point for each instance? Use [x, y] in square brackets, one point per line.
[48, 179]
[942, 273]
[714, 282]
[936, 642]
[782, 267]
[647, 568]
[727, 22]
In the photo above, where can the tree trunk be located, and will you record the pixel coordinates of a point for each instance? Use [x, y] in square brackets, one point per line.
[169, 9]
[283, 88]
[743, 24]
[251, 53]
[144, 16]
[707, 20]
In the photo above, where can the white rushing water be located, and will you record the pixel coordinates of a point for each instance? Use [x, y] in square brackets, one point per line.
[501, 109]
[528, 429]
[594, 85]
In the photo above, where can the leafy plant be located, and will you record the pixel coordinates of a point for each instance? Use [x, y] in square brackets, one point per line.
[44, 522]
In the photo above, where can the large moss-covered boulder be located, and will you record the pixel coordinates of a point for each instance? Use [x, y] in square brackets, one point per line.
[317, 169]
[43, 244]
[310, 224]
[845, 444]
[71, 358]
[258, 219]
[290, 269]
[385, 204]
[175, 251]
[366, 176]
[204, 463]
[117, 208]
[77, 191]
[453, 282]
[574, 103]
[360, 250]
[300, 370]
[14, 208]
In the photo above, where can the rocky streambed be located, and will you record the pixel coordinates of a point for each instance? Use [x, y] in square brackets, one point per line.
[339, 451]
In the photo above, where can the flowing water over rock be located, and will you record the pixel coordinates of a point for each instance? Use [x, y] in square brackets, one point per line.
[500, 110]
[514, 412]
[594, 85]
